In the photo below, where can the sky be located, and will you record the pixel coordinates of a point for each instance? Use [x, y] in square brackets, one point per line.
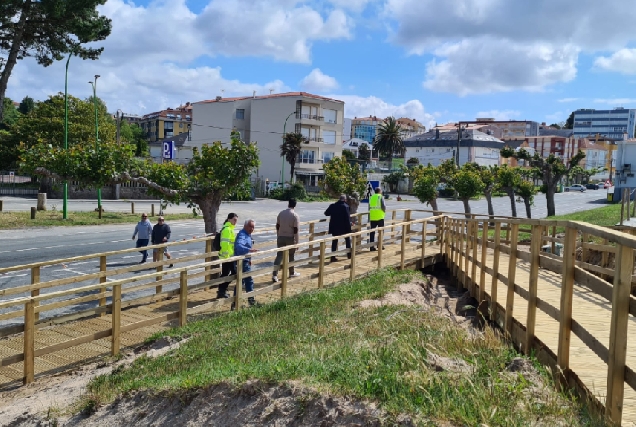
[435, 61]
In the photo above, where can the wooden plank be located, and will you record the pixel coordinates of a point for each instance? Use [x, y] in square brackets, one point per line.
[604, 259]
[159, 270]
[116, 321]
[424, 227]
[283, 282]
[585, 252]
[553, 240]
[495, 270]
[29, 342]
[102, 279]
[149, 322]
[312, 230]
[321, 266]
[533, 286]
[567, 289]
[618, 333]
[35, 279]
[239, 285]
[380, 247]
[208, 251]
[589, 340]
[484, 258]
[594, 283]
[183, 298]
[403, 247]
[473, 273]
[73, 343]
[352, 273]
[512, 271]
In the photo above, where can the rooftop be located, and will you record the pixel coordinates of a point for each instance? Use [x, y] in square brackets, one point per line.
[275, 95]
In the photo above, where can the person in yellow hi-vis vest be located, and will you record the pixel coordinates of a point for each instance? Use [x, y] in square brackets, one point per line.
[377, 210]
[227, 251]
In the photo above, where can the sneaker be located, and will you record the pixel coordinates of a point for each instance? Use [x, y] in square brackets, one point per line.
[334, 259]
[253, 303]
[225, 295]
[373, 249]
[142, 262]
[171, 265]
[296, 274]
[275, 279]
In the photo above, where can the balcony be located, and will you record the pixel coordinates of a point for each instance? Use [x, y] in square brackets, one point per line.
[309, 161]
[314, 139]
[310, 117]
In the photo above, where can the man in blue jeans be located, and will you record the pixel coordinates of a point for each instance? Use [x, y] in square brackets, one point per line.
[243, 246]
[144, 228]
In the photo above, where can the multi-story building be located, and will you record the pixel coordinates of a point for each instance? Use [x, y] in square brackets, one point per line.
[410, 127]
[263, 119]
[609, 123]
[497, 128]
[166, 123]
[365, 128]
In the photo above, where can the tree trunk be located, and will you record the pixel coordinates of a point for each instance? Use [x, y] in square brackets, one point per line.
[291, 172]
[513, 206]
[433, 204]
[466, 208]
[549, 198]
[491, 210]
[526, 201]
[12, 59]
[210, 208]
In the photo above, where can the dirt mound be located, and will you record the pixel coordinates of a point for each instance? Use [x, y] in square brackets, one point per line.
[253, 404]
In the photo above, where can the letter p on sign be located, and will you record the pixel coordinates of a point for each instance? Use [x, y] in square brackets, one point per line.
[168, 150]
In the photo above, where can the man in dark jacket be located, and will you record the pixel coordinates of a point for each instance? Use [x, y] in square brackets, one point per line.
[160, 234]
[339, 223]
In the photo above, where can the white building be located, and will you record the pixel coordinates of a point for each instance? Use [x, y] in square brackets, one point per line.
[608, 123]
[625, 167]
[263, 119]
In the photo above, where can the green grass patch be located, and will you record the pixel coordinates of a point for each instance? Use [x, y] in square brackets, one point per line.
[326, 341]
[13, 220]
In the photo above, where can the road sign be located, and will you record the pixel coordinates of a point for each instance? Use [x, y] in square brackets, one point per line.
[168, 150]
[370, 190]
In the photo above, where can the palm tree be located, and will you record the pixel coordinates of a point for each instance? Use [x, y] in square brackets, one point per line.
[388, 139]
[291, 148]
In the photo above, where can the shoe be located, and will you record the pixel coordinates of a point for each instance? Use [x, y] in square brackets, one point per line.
[253, 303]
[142, 261]
[296, 274]
[233, 306]
[225, 295]
[171, 265]
[373, 249]
[334, 259]
[275, 279]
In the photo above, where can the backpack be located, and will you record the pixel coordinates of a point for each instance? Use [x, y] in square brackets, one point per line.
[216, 243]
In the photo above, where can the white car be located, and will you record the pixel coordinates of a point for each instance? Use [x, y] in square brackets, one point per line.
[575, 187]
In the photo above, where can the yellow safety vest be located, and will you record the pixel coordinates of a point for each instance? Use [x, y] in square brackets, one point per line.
[375, 208]
[227, 241]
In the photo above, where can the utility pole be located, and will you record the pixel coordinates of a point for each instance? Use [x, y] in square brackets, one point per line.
[459, 138]
[99, 190]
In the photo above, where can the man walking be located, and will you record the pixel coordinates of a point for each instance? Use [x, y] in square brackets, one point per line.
[144, 228]
[227, 251]
[377, 210]
[243, 246]
[339, 223]
[287, 225]
[160, 234]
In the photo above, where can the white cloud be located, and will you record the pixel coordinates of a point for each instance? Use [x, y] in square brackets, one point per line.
[568, 99]
[527, 45]
[622, 61]
[358, 106]
[499, 114]
[355, 5]
[557, 117]
[487, 65]
[615, 101]
[317, 81]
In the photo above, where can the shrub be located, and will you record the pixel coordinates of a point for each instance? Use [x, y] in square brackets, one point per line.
[295, 191]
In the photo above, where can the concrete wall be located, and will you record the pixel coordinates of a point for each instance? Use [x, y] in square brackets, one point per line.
[130, 191]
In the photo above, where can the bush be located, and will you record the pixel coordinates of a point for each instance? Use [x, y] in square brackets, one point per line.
[295, 191]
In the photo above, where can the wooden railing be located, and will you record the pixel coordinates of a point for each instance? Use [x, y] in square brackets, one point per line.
[107, 296]
[471, 243]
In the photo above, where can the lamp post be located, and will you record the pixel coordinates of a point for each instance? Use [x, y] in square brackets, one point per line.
[99, 190]
[459, 138]
[65, 196]
[282, 173]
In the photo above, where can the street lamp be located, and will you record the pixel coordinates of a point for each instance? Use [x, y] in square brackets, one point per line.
[459, 138]
[282, 173]
[65, 197]
[99, 190]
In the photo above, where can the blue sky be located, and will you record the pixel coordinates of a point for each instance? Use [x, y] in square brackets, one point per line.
[436, 61]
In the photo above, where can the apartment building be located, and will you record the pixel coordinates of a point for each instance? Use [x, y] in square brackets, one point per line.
[497, 128]
[411, 127]
[263, 119]
[365, 128]
[608, 123]
[166, 123]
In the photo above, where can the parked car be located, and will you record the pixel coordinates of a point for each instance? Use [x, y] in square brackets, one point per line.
[592, 186]
[575, 187]
[604, 184]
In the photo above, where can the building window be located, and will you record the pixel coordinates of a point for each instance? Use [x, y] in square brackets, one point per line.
[327, 156]
[307, 156]
[240, 114]
[168, 126]
[330, 116]
[329, 136]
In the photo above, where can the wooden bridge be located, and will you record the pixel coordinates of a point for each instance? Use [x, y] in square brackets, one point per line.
[574, 311]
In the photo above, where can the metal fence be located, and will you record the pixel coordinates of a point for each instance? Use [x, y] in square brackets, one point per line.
[12, 184]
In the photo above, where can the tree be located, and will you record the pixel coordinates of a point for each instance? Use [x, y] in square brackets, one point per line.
[468, 184]
[364, 154]
[556, 125]
[26, 105]
[210, 175]
[389, 139]
[290, 149]
[551, 170]
[10, 114]
[489, 176]
[48, 30]
[425, 186]
[132, 133]
[526, 190]
[341, 177]
[569, 123]
[393, 179]
[509, 180]
[349, 155]
[412, 162]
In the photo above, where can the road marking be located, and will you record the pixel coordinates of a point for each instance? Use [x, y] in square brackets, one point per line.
[29, 249]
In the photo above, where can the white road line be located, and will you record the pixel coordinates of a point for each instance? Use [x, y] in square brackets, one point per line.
[29, 249]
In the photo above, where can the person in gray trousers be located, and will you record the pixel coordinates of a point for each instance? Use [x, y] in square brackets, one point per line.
[144, 228]
[287, 225]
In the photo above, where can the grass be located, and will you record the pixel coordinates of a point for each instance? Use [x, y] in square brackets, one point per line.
[13, 220]
[327, 342]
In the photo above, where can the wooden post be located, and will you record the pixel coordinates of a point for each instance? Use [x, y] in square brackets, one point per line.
[239, 284]
[35, 279]
[460, 261]
[132, 208]
[584, 250]
[533, 285]
[283, 282]
[33, 212]
[553, 237]
[495, 272]
[512, 271]
[321, 265]
[208, 250]
[159, 269]
[152, 209]
[440, 231]
[0, 205]
[360, 228]
[468, 231]
[424, 227]
[312, 228]
[457, 244]
[29, 342]
[380, 247]
[484, 257]
[354, 245]
[116, 320]
[629, 197]
[618, 333]
[507, 233]
[604, 260]
[393, 216]
[567, 289]
[407, 218]
[403, 246]
[183, 298]
[473, 272]
[102, 290]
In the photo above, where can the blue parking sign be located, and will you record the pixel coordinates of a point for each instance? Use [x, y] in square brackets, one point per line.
[168, 150]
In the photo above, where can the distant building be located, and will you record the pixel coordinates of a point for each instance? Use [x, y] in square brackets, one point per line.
[608, 123]
[504, 128]
[262, 119]
[167, 123]
[354, 145]
[346, 130]
[183, 152]
[365, 128]
[410, 127]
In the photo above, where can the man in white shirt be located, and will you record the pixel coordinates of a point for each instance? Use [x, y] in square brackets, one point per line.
[287, 225]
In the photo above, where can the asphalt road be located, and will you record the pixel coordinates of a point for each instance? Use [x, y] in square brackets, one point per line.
[42, 244]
